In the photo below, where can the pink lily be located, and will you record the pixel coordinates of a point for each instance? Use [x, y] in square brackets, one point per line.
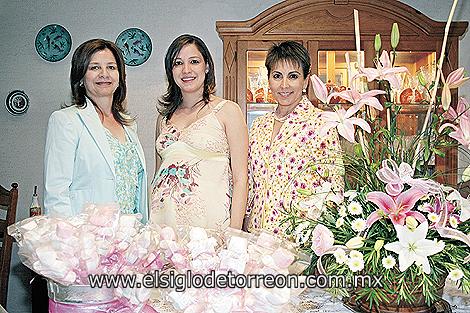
[462, 203]
[462, 108]
[445, 210]
[454, 80]
[359, 99]
[319, 88]
[384, 71]
[396, 208]
[461, 133]
[344, 121]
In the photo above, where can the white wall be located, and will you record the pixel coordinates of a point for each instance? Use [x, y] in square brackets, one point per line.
[22, 137]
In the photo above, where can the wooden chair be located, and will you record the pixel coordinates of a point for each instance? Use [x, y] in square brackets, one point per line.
[8, 201]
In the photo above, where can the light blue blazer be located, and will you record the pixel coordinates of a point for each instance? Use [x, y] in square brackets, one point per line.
[79, 164]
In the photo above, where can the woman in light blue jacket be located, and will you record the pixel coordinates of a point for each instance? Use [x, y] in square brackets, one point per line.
[92, 151]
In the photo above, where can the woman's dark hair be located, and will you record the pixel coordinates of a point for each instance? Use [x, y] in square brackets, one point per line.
[173, 97]
[80, 61]
[289, 51]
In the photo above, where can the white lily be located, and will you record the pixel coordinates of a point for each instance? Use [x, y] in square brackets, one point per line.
[466, 174]
[413, 247]
[339, 222]
[462, 203]
[351, 194]
[315, 203]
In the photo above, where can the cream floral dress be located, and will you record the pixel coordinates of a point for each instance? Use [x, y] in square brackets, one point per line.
[274, 168]
[194, 182]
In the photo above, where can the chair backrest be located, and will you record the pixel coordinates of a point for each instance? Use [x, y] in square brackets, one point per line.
[8, 201]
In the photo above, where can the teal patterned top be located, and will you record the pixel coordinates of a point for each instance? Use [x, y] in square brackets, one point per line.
[128, 167]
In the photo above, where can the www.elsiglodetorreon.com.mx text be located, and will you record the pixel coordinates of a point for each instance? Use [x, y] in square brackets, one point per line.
[181, 282]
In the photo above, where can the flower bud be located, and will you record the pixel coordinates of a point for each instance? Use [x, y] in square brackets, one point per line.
[339, 222]
[377, 43]
[411, 222]
[355, 242]
[358, 150]
[422, 79]
[446, 97]
[304, 192]
[395, 36]
[378, 245]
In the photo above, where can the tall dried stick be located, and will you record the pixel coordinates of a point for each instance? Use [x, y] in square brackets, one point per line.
[358, 51]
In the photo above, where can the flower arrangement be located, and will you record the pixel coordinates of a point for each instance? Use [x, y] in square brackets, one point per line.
[393, 221]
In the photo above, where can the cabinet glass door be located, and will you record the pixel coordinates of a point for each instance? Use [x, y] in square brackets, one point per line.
[259, 99]
[418, 64]
[334, 71]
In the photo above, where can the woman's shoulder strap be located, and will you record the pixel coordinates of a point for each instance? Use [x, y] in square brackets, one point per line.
[219, 106]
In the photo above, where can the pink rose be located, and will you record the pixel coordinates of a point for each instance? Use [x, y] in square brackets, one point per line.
[322, 239]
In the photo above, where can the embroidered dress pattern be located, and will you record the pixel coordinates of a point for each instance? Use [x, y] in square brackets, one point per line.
[128, 167]
[178, 182]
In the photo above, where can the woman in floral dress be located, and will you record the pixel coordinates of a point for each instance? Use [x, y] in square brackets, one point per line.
[284, 142]
[201, 145]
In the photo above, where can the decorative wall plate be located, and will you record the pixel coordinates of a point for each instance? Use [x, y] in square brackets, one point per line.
[17, 102]
[135, 45]
[53, 42]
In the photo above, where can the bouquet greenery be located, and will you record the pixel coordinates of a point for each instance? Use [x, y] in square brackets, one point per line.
[394, 220]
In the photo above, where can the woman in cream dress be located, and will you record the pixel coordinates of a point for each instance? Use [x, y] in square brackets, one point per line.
[201, 145]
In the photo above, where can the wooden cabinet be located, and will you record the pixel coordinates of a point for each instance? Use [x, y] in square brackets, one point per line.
[326, 29]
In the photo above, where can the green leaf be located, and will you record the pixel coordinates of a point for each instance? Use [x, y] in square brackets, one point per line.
[439, 152]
